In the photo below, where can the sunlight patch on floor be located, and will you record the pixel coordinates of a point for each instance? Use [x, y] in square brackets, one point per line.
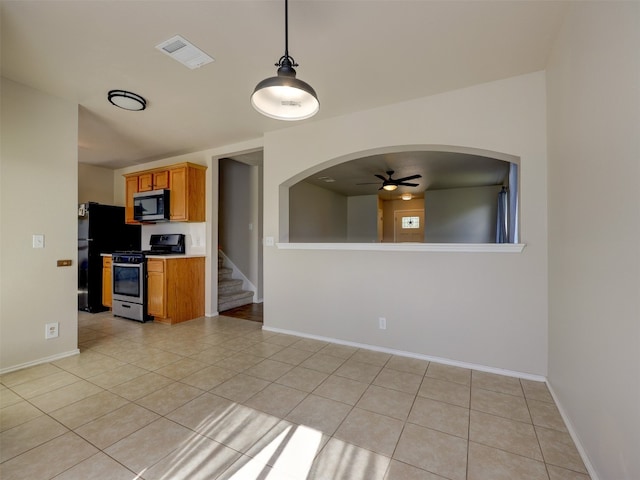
[291, 453]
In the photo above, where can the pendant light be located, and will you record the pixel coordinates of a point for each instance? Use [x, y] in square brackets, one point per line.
[285, 97]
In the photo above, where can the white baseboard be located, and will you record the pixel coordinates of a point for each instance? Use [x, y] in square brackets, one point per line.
[401, 353]
[574, 436]
[39, 361]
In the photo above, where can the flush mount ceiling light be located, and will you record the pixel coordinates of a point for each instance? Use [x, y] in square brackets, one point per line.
[406, 196]
[127, 100]
[285, 97]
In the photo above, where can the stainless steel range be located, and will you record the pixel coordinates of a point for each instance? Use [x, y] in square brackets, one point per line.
[129, 275]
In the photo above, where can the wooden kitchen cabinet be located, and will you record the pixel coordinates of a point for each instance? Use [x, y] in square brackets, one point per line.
[106, 281]
[131, 187]
[153, 181]
[185, 181]
[156, 294]
[175, 289]
[187, 193]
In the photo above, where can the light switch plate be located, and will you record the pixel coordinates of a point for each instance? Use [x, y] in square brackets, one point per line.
[268, 241]
[51, 330]
[38, 241]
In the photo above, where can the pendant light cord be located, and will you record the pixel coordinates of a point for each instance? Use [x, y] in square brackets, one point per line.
[286, 28]
[286, 62]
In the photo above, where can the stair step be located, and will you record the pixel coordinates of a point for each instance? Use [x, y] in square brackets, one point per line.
[238, 299]
[229, 286]
[224, 273]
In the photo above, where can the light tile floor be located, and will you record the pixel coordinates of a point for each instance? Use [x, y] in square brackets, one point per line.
[219, 398]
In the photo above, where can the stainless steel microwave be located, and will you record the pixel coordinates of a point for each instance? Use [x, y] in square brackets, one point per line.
[151, 206]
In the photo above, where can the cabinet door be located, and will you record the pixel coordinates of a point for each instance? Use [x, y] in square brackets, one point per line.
[106, 281]
[161, 180]
[178, 180]
[145, 182]
[131, 188]
[156, 302]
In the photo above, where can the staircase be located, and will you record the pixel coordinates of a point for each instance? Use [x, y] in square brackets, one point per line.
[230, 293]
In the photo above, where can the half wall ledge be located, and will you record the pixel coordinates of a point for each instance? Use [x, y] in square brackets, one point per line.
[410, 247]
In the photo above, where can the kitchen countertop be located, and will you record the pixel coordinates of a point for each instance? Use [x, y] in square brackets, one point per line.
[170, 257]
[166, 257]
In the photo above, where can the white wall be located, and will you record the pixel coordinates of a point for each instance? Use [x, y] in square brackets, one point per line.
[316, 214]
[95, 184]
[447, 304]
[461, 215]
[38, 195]
[236, 199]
[593, 86]
[362, 218]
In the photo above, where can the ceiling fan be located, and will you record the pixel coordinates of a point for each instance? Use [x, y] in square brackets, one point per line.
[393, 183]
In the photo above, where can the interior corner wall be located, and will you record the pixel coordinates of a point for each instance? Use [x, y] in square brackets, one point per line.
[316, 214]
[593, 83]
[446, 305]
[362, 218]
[38, 195]
[461, 215]
[95, 184]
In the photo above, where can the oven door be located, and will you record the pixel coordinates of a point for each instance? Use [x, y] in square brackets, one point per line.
[128, 282]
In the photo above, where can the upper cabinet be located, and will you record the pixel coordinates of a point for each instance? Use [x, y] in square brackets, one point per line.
[187, 193]
[153, 181]
[131, 187]
[186, 181]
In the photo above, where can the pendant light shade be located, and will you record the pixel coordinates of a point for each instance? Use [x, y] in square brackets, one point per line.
[285, 97]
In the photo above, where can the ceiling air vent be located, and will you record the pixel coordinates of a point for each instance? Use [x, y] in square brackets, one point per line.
[186, 53]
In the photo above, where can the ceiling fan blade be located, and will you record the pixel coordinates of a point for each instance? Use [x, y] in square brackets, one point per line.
[404, 184]
[380, 177]
[408, 178]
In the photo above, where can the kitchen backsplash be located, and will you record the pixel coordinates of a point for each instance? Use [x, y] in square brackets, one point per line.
[195, 235]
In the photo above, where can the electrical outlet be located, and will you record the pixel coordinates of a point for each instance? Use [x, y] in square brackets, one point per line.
[382, 323]
[51, 330]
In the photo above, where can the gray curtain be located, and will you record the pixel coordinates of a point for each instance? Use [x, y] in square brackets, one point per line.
[512, 222]
[502, 230]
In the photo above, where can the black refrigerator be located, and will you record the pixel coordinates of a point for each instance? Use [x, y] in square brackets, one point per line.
[101, 229]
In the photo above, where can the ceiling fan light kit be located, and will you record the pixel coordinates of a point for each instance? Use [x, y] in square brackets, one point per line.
[127, 100]
[285, 97]
[390, 184]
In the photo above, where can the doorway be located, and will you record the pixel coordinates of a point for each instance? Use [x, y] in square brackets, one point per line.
[239, 236]
[408, 226]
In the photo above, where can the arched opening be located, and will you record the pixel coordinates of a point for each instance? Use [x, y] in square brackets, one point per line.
[410, 194]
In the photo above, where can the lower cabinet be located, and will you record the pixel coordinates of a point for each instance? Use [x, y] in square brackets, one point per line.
[175, 289]
[106, 281]
[156, 288]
